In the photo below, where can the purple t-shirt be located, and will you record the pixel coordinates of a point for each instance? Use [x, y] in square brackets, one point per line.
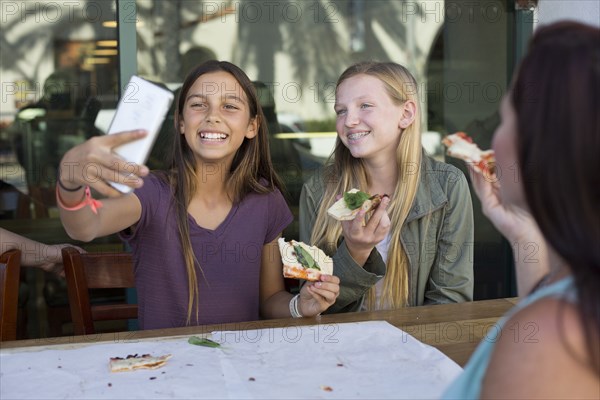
[230, 258]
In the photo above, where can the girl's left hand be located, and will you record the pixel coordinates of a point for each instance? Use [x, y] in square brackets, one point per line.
[316, 297]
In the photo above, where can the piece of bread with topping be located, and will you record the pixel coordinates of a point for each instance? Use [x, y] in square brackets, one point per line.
[301, 261]
[461, 146]
[354, 200]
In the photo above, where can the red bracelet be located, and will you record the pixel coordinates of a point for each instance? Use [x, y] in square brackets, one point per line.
[88, 200]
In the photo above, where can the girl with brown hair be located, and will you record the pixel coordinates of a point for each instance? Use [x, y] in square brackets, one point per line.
[548, 346]
[203, 233]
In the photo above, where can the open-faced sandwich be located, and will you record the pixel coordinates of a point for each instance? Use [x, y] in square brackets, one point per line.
[351, 203]
[301, 261]
[135, 361]
[460, 145]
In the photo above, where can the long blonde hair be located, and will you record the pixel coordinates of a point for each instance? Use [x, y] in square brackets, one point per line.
[344, 172]
[251, 164]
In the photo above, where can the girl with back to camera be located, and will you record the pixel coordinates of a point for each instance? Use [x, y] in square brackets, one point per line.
[420, 237]
[203, 233]
[548, 346]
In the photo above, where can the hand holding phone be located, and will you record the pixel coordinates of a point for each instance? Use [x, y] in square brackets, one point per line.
[144, 105]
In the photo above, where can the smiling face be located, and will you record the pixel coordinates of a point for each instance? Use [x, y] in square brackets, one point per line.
[216, 118]
[369, 123]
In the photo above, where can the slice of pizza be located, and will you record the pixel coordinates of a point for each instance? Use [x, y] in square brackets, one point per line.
[460, 145]
[133, 362]
[351, 203]
[301, 261]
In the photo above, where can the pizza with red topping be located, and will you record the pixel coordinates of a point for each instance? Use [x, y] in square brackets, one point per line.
[301, 261]
[460, 145]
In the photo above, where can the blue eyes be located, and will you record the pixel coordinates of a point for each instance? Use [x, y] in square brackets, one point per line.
[363, 106]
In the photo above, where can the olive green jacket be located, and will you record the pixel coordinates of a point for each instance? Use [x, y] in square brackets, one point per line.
[440, 256]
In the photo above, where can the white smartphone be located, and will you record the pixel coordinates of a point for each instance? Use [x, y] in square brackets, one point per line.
[144, 105]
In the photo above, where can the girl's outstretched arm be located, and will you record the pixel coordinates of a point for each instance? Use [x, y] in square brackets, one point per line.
[91, 164]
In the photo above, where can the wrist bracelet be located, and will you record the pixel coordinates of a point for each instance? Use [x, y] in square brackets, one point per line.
[294, 311]
[62, 186]
[88, 200]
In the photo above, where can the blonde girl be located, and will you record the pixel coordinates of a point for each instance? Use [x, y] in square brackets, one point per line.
[416, 248]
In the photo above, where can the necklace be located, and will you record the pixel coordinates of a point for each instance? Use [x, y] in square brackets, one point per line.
[546, 279]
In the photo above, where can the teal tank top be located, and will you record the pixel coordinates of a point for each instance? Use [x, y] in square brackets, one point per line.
[468, 384]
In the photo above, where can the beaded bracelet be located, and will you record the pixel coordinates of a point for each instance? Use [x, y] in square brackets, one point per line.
[294, 311]
[88, 200]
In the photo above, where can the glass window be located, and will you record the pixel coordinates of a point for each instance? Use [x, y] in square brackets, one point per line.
[460, 52]
[61, 74]
[59, 68]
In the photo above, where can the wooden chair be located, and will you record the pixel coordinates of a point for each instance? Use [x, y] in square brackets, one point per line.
[10, 265]
[96, 271]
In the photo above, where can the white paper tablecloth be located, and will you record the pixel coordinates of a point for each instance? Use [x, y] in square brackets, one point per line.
[354, 360]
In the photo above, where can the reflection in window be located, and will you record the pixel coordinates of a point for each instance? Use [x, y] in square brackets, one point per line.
[59, 68]
[294, 50]
[60, 78]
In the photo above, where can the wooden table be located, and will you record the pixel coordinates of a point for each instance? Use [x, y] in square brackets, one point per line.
[454, 329]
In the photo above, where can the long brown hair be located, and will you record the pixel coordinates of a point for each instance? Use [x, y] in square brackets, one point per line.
[345, 172]
[556, 96]
[251, 166]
